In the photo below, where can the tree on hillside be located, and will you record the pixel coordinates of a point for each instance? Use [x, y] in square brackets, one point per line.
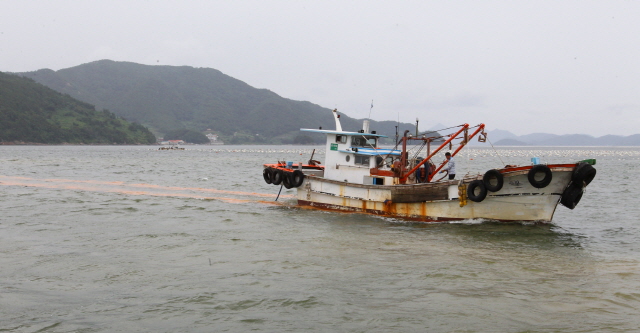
[31, 112]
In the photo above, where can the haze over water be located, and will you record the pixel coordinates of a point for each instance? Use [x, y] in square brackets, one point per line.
[126, 239]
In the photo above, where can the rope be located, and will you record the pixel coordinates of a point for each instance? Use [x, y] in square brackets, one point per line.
[494, 149]
[441, 178]
[444, 129]
[279, 192]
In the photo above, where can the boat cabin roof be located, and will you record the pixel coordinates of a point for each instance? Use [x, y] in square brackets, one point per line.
[371, 151]
[342, 132]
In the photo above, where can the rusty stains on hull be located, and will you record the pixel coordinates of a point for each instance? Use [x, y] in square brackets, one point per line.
[391, 212]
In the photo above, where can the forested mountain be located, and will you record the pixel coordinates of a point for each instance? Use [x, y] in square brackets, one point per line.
[31, 112]
[168, 98]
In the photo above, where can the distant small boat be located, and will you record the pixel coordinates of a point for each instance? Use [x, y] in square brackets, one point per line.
[171, 148]
[359, 176]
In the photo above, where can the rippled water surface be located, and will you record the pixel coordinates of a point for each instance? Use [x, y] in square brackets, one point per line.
[132, 239]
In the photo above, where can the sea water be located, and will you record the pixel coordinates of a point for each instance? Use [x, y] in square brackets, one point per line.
[133, 239]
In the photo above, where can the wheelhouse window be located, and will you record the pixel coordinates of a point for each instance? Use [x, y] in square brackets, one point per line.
[341, 138]
[362, 160]
[363, 141]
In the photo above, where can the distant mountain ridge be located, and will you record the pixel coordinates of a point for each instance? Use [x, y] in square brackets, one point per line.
[166, 98]
[506, 138]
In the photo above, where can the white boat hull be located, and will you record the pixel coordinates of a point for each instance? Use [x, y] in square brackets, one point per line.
[516, 201]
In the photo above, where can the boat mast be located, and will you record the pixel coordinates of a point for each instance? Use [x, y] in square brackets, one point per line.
[336, 117]
[397, 124]
[403, 158]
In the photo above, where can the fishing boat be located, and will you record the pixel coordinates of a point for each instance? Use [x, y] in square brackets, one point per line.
[172, 147]
[359, 176]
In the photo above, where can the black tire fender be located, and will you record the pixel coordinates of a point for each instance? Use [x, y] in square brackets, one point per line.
[276, 176]
[297, 178]
[537, 169]
[572, 195]
[286, 179]
[476, 185]
[266, 174]
[489, 177]
[583, 173]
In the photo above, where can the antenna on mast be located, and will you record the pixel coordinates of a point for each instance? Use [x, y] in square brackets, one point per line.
[397, 124]
[370, 109]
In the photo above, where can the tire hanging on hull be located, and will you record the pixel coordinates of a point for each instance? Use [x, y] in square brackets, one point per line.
[266, 174]
[286, 179]
[276, 176]
[583, 173]
[476, 185]
[297, 178]
[540, 183]
[492, 176]
[572, 195]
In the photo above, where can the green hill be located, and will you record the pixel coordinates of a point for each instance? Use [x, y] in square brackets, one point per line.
[168, 98]
[31, 112]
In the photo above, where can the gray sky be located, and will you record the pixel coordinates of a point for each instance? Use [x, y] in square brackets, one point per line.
[559, 67]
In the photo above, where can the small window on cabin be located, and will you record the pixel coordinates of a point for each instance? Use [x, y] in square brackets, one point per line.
[362, 160]
[341, 138]
[389, 161]
[372, 142]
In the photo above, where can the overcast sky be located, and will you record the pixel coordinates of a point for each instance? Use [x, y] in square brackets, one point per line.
[560, 67]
